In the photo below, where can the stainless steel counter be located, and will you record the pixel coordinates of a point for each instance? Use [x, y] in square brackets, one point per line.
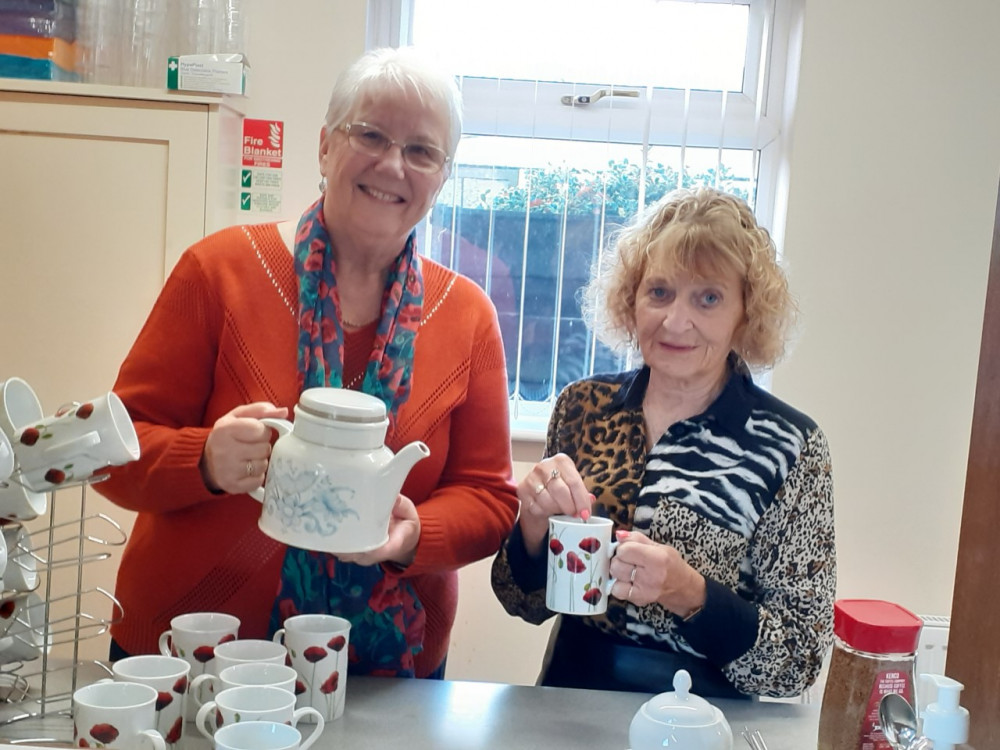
[449, 715]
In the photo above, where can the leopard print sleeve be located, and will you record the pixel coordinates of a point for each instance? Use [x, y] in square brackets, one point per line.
[793, 555]
[528, 605]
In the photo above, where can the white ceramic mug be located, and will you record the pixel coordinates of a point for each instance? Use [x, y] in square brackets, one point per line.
[261, 735]
[580, 553]
[317, 645]
[194, 638]
[168, 676]
[6, 458]
[231, 653]
[254, 703]
[25, 628]
[19, 406]
[21, 570]
[116, 714]
[238, 675]
[77, 442]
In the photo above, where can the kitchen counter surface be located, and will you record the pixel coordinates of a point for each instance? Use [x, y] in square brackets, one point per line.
[452, 715]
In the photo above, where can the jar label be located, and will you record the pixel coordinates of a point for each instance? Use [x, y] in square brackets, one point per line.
[889, 681]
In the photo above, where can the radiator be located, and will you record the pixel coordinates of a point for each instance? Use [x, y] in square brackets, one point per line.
[932, 648]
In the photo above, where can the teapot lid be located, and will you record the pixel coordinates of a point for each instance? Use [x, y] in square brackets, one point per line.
[342, 405]
[681, 708]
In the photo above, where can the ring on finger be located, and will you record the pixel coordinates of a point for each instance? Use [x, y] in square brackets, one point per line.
[554, 474]
[631, 578]
[249, 469]
[539, 488]
[628, 596]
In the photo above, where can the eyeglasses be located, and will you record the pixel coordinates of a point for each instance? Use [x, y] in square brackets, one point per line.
[369, 140]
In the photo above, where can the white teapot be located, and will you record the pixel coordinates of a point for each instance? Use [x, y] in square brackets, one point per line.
[679, 720]
[331, 482]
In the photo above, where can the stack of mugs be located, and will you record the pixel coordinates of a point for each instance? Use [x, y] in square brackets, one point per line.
[40, 454]
[244, 694]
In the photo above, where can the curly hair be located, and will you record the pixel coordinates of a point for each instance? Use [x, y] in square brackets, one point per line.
[702, 232]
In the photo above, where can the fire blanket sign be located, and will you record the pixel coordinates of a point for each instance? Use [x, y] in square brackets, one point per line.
[260, 174]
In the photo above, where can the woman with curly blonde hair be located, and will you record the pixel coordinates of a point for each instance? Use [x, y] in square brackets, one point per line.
[721, 494]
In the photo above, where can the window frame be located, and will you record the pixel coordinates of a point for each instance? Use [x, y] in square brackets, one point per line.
[753, 118]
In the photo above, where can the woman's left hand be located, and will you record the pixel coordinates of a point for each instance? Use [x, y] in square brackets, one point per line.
[404, 533]
[647, 572]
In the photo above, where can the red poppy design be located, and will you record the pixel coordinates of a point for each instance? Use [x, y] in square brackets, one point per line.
[314, 654]
[7, 608]
[592, 596]
[574, 564]
[174, 735]
[181, 686]
[83, 743]
[218, 719]
[204, 653]
[556, 546]
[29, 436]
[55, 476]
[84, 411]
[337, 643]
[227, 638]
[104, 733]
[163, 700]
[590, 544]
[300, 687]
[330, 685]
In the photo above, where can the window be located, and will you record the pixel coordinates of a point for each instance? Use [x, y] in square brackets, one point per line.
[578, 113]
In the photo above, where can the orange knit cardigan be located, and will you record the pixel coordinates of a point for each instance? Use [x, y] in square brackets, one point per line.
[223, 333]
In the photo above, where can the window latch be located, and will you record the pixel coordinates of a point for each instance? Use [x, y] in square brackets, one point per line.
[572, 101]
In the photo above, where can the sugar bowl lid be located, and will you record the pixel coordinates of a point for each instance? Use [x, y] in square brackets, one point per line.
[342, 405]
[681, 708]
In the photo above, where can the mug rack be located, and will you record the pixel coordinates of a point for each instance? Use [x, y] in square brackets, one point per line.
[35, 682]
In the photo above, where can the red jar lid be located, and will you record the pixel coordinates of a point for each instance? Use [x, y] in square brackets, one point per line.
[876, 626]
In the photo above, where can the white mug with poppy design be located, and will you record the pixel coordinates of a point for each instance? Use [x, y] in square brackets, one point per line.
[193, 637]
[578, 579]
[116, 714]
[248, 673]
[318, 647]
[73, 445]
[168, 676]
[262, 735]
[255, 703]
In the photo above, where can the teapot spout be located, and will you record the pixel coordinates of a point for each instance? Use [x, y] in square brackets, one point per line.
[395, 471]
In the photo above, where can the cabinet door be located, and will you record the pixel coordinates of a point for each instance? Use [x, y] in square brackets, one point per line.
[98, 198]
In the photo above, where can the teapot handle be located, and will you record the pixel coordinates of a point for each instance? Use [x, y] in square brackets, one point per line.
[282, 427]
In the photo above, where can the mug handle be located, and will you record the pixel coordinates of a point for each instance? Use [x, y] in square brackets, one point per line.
[164, 642]
[152, 738]
[319, 722]
[200, 717]
[195, 689]
[282, 427]
[317, 729]
[609, 584]
[81, 442]
[279, 636]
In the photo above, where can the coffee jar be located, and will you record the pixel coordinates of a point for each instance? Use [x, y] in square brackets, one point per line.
[874, 651]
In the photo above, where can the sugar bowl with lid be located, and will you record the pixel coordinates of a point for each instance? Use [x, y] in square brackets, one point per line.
[679, 720]
[331, 482]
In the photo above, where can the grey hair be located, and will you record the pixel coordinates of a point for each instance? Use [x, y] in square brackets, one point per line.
[389, 70]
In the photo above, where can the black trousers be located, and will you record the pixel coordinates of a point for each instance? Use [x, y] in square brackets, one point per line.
[583, 657]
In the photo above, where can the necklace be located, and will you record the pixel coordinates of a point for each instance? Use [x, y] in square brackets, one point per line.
[350, 324]
[355, 381]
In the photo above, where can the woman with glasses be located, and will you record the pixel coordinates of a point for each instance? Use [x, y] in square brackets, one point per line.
[252, 316]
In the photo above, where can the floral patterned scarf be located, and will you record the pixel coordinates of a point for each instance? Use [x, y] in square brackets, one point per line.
[387, 619]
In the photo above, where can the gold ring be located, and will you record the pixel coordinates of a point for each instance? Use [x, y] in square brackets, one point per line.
[631, 578]
[628, 596]
[539, 488]
[249, 469]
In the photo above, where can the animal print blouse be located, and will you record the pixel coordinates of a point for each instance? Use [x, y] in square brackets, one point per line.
[743, 491]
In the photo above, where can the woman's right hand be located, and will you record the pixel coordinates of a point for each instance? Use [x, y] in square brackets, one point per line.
[237, 450]
[553, 487]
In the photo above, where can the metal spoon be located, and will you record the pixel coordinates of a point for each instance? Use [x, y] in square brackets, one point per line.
[897, 720]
